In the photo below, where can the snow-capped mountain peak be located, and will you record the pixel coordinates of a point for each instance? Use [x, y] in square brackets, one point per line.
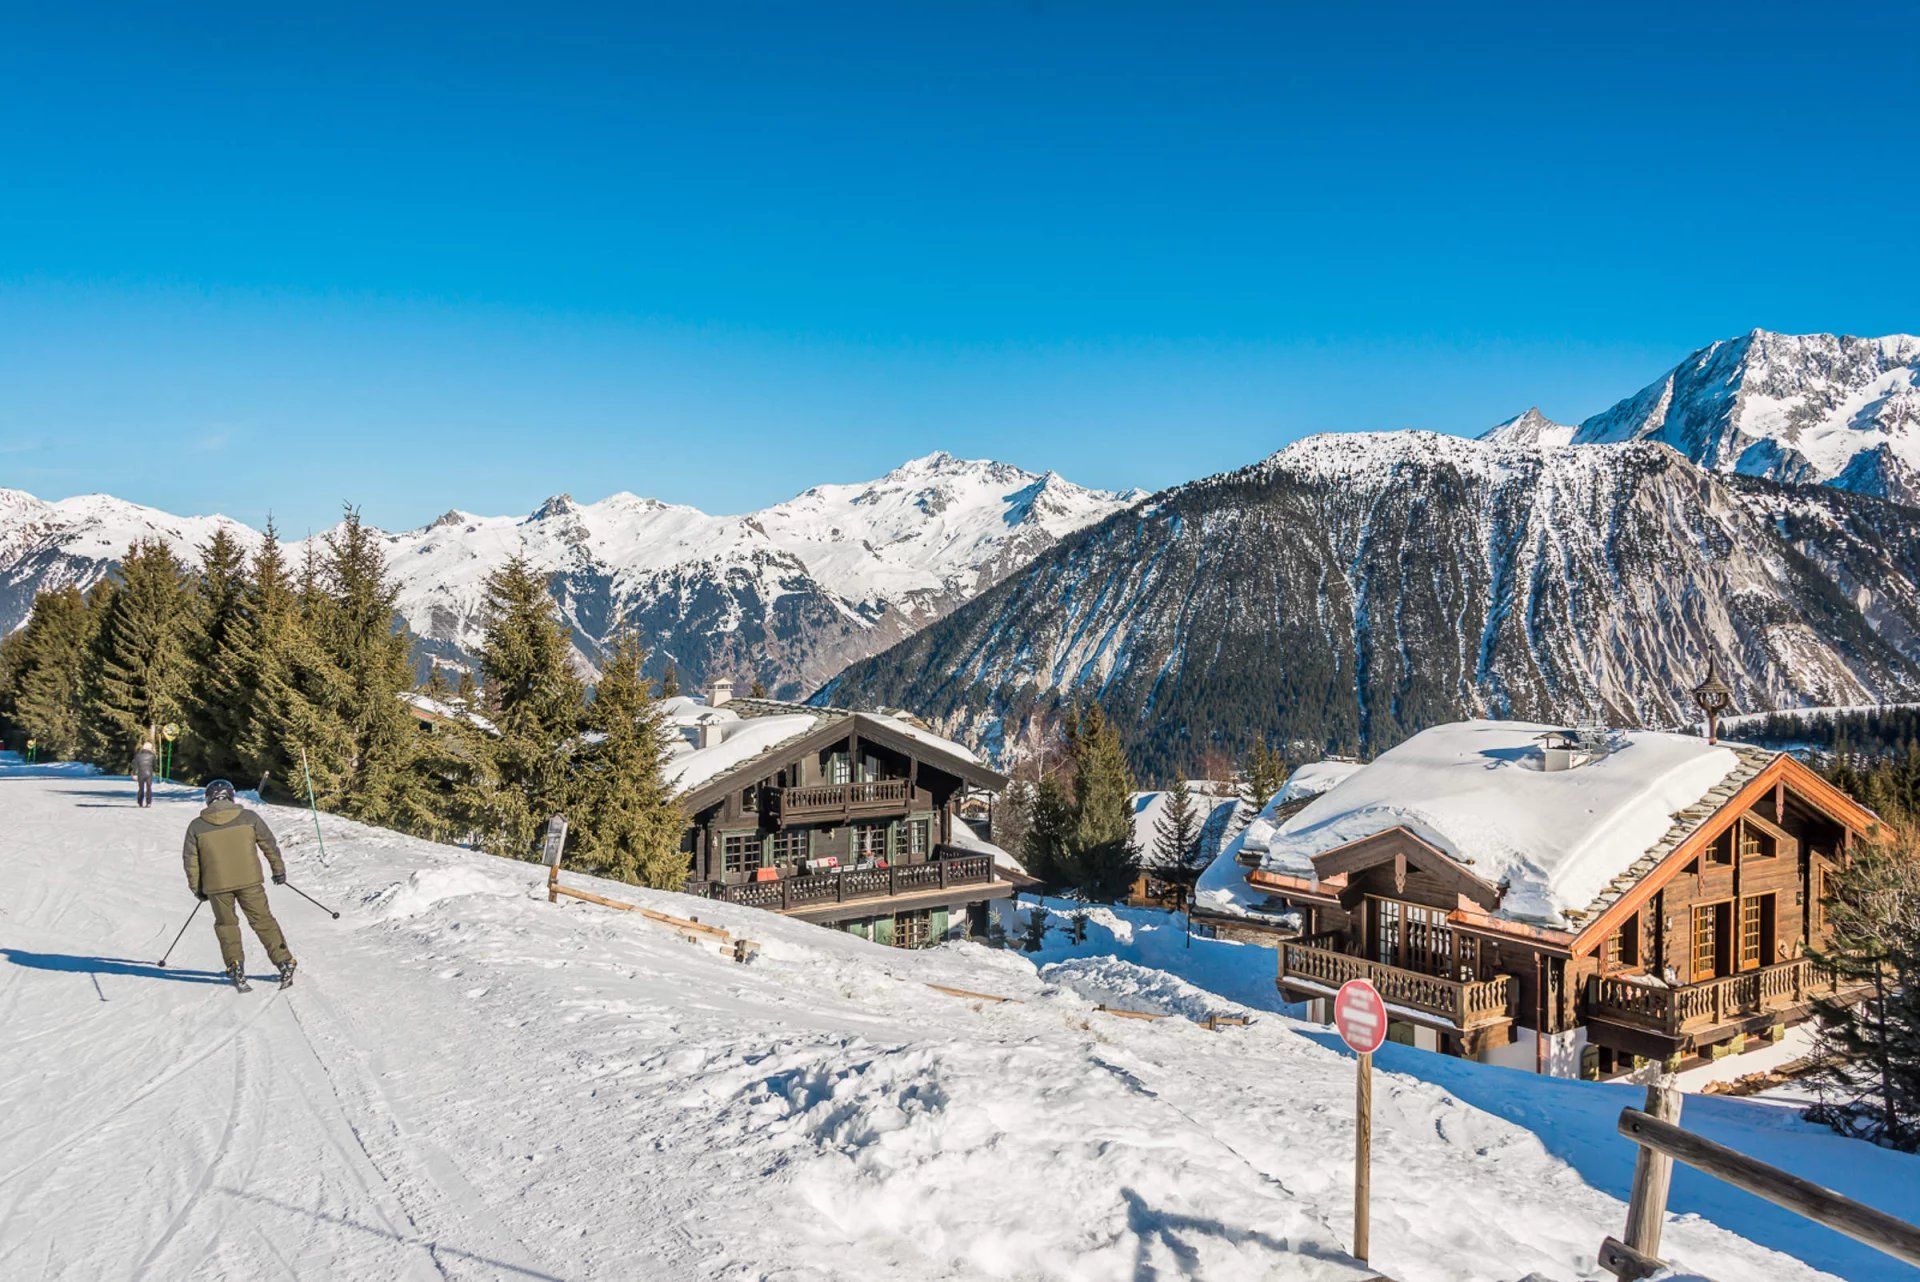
[1530, 428]
[1825, 408]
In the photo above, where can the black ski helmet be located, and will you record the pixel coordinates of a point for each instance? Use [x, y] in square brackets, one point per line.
[219, 790]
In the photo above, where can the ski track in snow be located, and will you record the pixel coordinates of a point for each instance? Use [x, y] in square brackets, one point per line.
[468, 1082]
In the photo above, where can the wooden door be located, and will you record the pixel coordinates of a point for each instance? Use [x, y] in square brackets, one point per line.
[1712, 941]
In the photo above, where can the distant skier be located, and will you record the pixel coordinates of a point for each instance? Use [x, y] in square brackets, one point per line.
[222, 857]
[143, 773]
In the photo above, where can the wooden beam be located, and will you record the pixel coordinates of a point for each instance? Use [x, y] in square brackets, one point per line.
[666, 919]
[1625, 1263]
[1862, 1223]
[1652, 1176]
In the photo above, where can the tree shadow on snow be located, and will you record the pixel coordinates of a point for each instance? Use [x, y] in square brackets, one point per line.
[433, 1248]
[113, 966]
[1172, 1229]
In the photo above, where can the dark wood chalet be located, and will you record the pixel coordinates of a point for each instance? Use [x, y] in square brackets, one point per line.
[847, 819]
[1694, 946]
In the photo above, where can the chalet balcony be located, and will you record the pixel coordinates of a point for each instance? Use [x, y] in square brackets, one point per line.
[1308, 964]
[842, 800]
[950, 867]
[1688, 1009]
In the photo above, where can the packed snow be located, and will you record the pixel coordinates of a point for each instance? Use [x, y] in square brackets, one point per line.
[469, 1082]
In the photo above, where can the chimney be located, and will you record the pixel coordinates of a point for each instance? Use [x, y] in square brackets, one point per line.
[721, 694]
[709, 732]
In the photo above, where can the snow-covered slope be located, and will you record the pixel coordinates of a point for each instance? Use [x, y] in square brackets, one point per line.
[1352, 589]
[788, 595]
[1838, 410]
[468, 1082]
[1530, 428]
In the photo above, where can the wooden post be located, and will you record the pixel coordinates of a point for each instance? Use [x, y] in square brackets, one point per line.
[553, 884]
[1362, 1154]
[1652, 1174]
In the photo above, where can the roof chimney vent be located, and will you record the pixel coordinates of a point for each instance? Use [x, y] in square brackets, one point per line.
[1562, 750]
[721, 693]
[709, 731]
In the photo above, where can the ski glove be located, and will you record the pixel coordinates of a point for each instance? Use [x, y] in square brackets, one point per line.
[279, 879]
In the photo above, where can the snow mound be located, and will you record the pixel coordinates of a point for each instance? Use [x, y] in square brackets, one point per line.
[429, 887]
[1109, 981]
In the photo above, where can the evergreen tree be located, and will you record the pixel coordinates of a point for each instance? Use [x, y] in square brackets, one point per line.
[669, 681]
[1103, 859]
[1263, 772]
[210, 746]
[259, 675]
[436, 686]
[136, 672]
[535, 701]
[758, 689]
[1013, 815]
[48, 656]
[1047, 850]
[354, 684]
[1176, 838]
[1871, 1083]
[466, 691]
[627, 826]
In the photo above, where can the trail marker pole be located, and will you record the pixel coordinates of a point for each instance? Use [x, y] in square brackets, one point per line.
[1361, 1016]
[552, 843]
[168, 733]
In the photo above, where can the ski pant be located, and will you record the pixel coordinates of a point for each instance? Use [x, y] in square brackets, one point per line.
[144, 784]
[226, 924]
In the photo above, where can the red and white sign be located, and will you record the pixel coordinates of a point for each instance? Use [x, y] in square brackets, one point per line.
[1360, 1015]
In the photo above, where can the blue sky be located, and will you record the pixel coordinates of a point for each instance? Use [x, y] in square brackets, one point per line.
[262, 257]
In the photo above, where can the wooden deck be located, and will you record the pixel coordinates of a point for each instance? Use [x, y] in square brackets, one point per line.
[1308, 965]
[1677, 1012]
[843, 800]
[948, 869]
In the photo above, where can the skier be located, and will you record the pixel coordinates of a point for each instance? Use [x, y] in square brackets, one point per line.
[223, 866]
[143, 774]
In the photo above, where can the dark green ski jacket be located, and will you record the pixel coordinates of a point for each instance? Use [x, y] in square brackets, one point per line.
[219, 853]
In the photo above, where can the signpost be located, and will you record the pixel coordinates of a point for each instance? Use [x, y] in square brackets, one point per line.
[1361, 1016]
[168, 733]
[551, 844]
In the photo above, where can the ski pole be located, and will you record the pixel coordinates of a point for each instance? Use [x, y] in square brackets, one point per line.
[312, 806]
[309, 898]
[183, 930]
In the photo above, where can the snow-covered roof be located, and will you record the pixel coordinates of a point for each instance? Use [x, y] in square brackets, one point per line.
[1477, 792]
[1213, 816]
[741, 740]
[967, 837]
[1313, 779]
[446, 710]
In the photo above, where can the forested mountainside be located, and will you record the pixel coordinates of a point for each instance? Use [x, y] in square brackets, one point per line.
[787, 595]
[1350, 590]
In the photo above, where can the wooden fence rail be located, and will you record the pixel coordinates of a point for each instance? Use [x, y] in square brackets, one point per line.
[1662, 1143]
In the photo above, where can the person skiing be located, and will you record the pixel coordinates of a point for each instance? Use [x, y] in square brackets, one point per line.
[222, 858]
[143, 774]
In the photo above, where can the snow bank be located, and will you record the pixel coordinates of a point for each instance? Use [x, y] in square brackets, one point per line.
[424, 890]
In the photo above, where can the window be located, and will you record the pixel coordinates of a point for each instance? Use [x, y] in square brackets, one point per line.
[740, 851]
[1386, 932]
[1756, 931]
[1721, 851]
[917, 837]
[1412, 937]
[869, 840]
[1818, 913]
[750, 798]
[791, 845]
[837, 767]
[1755, 844]
[1706, 956]
[1623, 946]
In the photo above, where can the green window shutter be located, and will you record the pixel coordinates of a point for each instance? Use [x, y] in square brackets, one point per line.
[883, 930]
[937, 927]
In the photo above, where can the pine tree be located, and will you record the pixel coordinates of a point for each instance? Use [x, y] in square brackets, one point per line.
[210, 748]
[1047, 851]
[136, 674]
[354, 688]
[436, 686]
[627, 826]
[758, 689]
[669, 681]
[536, 703]
[1263, 772]
[260, 707]
[466, 691]
[1871, 1085]
[49, 655]
[1103, 859]
[1176, 838]
[1013, 815]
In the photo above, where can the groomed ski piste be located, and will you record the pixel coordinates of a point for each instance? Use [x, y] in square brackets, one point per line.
[469, 1082]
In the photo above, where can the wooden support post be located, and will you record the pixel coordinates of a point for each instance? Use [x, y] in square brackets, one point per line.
[553, 884]
[1625, 1263]
[1362, 1155]
[1652, 1175]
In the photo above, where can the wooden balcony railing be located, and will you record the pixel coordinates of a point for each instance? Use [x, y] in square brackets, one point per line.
[881, 796]
[1463, 1003]
[1712, 1002]
[948, 868]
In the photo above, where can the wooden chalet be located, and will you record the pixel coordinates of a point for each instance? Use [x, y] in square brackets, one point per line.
[844, 818]
[1572, 908]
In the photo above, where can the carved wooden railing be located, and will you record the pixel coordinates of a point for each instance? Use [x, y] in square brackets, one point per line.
[1711, 1002]
[843, 798]
[949, 867]
[1463, 1003]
